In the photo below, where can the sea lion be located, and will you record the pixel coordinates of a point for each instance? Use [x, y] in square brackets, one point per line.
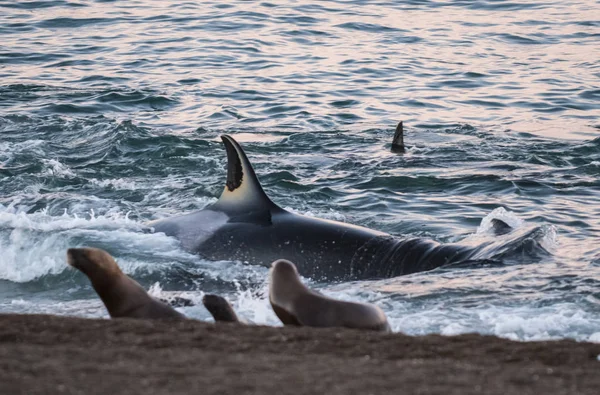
[296, 304]
[122, 296]
[219, 308]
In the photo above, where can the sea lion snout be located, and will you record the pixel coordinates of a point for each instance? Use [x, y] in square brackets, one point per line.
[284, 279]
[283, 267]
[76, 257]
[92, 260]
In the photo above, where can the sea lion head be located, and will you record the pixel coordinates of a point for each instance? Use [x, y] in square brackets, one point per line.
[284, 289]
[285, 271]
[285, 281]
[219, 308]
[93, 262]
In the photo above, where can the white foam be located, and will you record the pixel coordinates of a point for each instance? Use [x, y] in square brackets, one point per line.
[155, 290]
[9, 149]
[439, 310]
[207, 159]
[330, 214]
[253, 305]
[88, 308]
[549, 240]
[55, 168]
[34, 245]
[594, 337]
[454, 329]
[116, 183]
[542, 324]
[516, 323]
[14, 216]
[23, 261]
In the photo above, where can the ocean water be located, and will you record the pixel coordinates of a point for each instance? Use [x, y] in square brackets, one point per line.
[110, 116]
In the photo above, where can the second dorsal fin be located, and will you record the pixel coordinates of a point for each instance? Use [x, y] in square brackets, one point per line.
[398, 141]
[243, 193]
[500, 227]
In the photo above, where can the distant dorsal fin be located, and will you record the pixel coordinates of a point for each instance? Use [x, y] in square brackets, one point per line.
[398, 141]
[243, 193]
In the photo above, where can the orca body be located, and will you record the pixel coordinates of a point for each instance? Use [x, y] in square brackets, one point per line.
[245, 225]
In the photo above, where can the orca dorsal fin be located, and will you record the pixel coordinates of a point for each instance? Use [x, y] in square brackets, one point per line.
[243, 193]
[398, 141]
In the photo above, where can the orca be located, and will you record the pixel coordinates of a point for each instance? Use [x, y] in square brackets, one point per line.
[245, 225]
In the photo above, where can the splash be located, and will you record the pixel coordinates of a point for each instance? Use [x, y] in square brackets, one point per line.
[34, 245]
[253, 305]
[510, 218]
[58, 169]
[330, 214]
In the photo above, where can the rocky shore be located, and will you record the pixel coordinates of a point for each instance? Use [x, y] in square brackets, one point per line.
[64, 355]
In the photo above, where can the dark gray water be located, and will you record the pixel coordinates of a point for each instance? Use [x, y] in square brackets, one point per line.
[110, 114]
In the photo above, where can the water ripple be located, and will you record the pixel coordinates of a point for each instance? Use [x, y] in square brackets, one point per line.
[110, 114]
[360, 54]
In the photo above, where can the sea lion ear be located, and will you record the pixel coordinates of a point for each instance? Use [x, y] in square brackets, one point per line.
[243, 192]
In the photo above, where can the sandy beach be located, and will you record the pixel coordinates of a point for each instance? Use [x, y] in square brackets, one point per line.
[42, 354]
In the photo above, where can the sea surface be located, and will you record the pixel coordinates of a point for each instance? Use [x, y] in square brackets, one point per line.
[111, 112]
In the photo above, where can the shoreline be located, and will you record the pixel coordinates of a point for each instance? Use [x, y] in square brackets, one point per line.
[68, 355]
